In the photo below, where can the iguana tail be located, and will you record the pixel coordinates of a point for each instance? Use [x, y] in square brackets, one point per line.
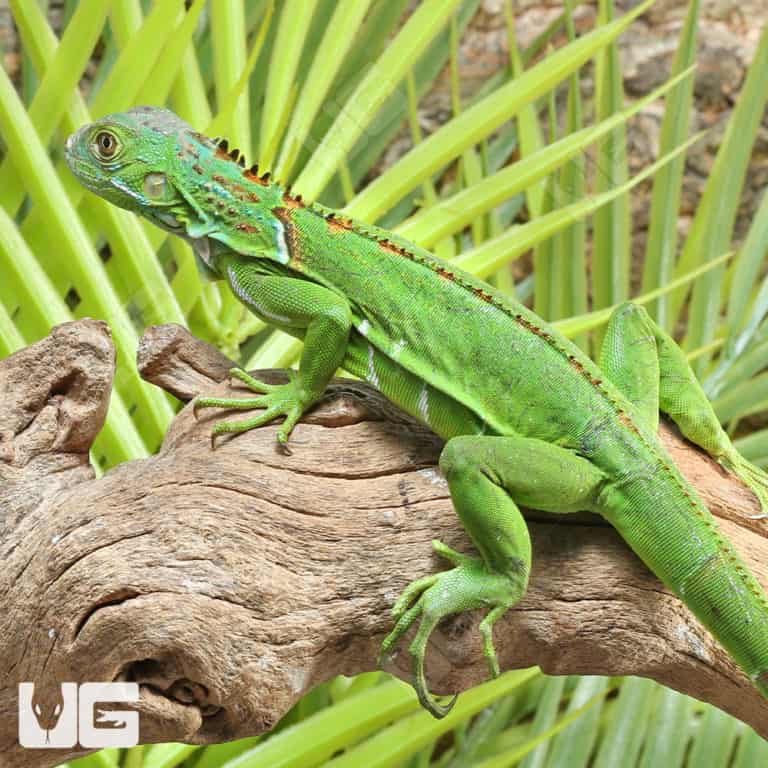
[673, 532]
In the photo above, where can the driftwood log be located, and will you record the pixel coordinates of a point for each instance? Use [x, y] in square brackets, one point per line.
[228, 582]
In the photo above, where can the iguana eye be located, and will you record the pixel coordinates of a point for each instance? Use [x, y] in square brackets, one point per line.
[155, 186]
[105, 145]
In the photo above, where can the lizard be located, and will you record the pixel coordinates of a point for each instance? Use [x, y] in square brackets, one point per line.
[527, 417]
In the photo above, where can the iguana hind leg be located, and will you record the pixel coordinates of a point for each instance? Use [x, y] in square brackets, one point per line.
[488, 477]
[644, 362]
[630, 359]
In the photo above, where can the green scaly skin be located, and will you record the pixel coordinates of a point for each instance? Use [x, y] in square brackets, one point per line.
[527, 417]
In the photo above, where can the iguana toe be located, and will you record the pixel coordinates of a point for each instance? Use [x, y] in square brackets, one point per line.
[250, 382]
[753, 477]
[426, 698]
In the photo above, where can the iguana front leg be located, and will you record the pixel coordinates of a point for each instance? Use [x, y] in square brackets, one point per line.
[321, 316]
[652, 372]
[488, 477]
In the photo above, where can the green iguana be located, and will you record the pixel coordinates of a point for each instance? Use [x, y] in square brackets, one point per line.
[527, 417]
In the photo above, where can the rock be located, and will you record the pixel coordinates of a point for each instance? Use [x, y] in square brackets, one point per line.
[720, 69]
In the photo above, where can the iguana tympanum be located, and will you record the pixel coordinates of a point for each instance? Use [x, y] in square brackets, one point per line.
[528, 418]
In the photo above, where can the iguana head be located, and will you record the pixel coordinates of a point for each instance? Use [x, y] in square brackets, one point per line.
[126, 158]
[151, 162]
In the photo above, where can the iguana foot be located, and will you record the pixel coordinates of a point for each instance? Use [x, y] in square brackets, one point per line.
[753, 477]
[276, 400]
[471, 584]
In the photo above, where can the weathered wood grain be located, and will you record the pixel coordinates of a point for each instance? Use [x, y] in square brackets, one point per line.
[228, 582]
